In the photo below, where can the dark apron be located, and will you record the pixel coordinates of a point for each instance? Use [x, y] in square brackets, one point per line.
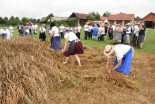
[72, 46]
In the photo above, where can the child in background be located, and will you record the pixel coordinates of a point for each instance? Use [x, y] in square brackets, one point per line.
[26, 32]
[8, 34]
[4, 33]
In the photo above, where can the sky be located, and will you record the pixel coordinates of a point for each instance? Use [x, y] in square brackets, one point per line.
[63, 8]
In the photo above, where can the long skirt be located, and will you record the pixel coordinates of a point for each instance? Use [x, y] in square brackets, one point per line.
[42, 37]
[126, 63]
[74, 48]
[127, 39]
[118, 37]
[56, 43]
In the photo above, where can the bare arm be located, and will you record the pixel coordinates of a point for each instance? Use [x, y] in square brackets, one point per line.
[65, 46]
[108, 63]
[118, 65]
[51, 35]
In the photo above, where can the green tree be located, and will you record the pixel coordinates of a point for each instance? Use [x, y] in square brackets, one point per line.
[14, 20]
[94, 16]
[2, 21]
[24, 20]
[6, 20]
[11, 18]
[49, 17]
[106, 14]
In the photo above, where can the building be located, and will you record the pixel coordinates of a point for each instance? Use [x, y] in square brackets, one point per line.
[149, 20]
[137, 20]
[122, 18]
[57, 19]
[82, 18]
[104, 19]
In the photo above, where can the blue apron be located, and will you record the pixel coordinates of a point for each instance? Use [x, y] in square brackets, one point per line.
[126, 63]
[4, 35]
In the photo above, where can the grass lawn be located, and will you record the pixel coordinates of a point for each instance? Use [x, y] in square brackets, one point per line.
[149, 43]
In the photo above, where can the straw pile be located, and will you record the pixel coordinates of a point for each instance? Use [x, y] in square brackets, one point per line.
[28, 72]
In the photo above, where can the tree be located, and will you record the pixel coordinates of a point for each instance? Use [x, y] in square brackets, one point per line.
[11, 18]
[14, 20]
[2, 21]
[24, 20]
[6, 20]
[94, 16]
[49, 17]
[106, 14]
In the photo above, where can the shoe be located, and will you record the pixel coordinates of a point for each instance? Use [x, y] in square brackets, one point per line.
[139, 48]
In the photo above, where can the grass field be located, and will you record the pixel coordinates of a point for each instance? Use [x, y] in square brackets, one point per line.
[149, 44]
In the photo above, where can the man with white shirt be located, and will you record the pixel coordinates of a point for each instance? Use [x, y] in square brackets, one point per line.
[11, 30]
[35, 28]
[86, 27]
[79, 29]
[123, 53]
[61, 31]
[128, 33]
[136, 34]
[1, 31]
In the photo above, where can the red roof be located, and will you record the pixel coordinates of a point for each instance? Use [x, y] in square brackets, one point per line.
[121, 16]
[103, 18]
[149, 14]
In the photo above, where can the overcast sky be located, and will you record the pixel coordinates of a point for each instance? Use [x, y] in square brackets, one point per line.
[64, 8]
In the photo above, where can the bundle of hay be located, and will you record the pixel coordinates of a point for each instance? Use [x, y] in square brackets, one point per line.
[29, 72]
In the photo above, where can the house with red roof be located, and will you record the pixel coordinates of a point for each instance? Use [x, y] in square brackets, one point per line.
[149, 20]
[122, 18]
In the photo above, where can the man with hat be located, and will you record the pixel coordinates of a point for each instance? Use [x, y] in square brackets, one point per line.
[123, 53]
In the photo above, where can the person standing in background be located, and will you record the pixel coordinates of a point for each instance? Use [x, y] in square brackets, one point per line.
[55, 38]
[118, 35]
[141, 35]
[86, 27]
[61, 31]
[4, 33]
[11, 30]
[76, 31]
[32, 30]
[36, 28]
[79, 28]
[26, 32]
[110, 33]
[42, 35]
[136, 34]
[8, 36]
[106, 28]
[95, 32]
[101, 33]
[70, 29]
[128, 33]
[1, 31]
[90, 31]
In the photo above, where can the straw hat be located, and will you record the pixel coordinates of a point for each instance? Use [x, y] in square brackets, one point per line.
[108, 50]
